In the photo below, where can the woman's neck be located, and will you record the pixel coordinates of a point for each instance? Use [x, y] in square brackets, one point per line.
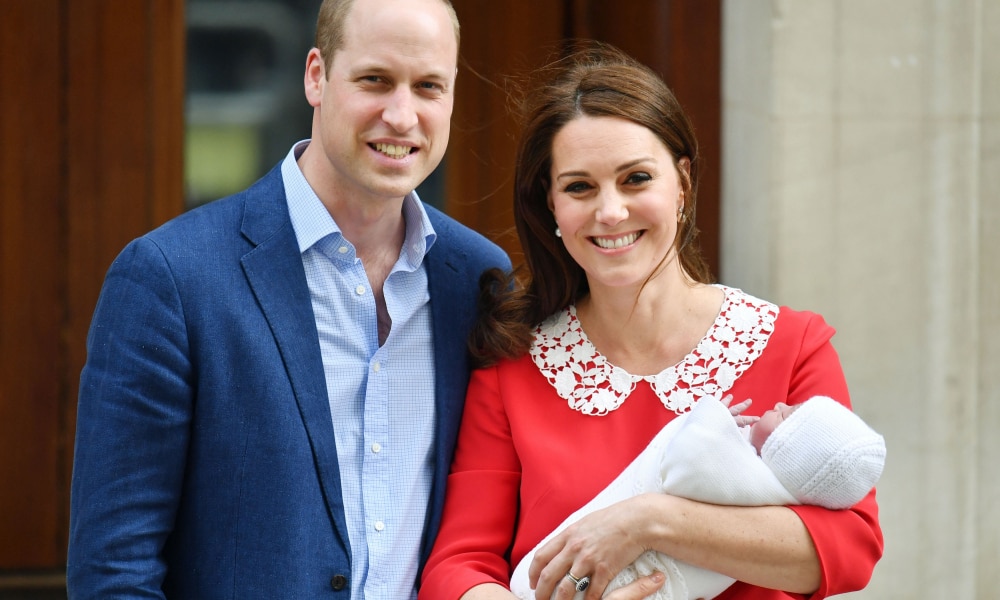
[646, 331]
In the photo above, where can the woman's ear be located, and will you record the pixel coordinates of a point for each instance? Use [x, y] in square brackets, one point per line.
[548, 195]
[684, 166]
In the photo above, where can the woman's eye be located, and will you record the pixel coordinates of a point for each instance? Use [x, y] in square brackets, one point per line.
[635, 178]
[576, 187]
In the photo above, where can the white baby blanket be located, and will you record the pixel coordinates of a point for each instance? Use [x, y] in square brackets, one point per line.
[701, 455]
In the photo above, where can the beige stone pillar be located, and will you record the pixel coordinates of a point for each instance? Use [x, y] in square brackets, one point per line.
[861, 180]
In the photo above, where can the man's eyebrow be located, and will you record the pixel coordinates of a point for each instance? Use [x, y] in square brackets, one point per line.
[378, 69]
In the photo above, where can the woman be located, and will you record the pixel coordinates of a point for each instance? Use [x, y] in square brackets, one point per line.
[616, 332]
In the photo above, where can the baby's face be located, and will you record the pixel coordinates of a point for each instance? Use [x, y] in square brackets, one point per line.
[769, 421]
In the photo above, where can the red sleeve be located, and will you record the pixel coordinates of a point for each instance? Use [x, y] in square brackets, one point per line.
[849, 542]
[482, 499]
[801, 359]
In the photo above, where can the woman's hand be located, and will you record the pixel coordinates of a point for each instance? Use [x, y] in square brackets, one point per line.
[597, 546]
[639, 589]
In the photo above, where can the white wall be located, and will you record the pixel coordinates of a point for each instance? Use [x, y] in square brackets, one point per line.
[861, 180]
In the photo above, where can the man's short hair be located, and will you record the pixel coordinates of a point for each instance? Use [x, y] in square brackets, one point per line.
[330, 26]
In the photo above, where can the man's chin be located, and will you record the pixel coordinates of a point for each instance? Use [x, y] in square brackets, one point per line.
[396, 187]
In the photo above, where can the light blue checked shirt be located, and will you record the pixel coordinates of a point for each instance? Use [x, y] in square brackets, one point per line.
[381, 398]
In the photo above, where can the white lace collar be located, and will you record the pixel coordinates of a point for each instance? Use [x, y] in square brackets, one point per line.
[594, 386]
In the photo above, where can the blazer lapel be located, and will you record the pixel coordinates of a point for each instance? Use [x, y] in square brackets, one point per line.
[276, 276]
[447, 280]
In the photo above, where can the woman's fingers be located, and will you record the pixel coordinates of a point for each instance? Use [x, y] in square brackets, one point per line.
[638, 589]
[549, 566]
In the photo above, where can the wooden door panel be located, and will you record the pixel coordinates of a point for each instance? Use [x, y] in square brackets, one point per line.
[91, 116]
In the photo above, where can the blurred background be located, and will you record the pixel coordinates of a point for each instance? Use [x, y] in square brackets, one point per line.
[851, 166]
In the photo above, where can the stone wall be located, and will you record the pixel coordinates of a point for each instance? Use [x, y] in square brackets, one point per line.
[861, 180]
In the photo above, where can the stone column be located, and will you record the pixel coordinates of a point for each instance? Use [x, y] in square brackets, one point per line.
[861, 180]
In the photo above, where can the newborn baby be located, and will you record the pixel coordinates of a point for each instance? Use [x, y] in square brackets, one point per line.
[817, 452]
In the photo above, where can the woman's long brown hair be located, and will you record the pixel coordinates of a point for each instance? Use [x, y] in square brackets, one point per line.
[598, 80]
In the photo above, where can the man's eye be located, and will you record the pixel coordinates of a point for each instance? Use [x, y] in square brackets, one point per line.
[430, 88]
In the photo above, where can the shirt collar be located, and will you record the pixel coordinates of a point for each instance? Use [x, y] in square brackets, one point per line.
[312, 222]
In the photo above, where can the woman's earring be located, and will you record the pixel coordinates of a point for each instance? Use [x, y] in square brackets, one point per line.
[558, 233]
[680, 215]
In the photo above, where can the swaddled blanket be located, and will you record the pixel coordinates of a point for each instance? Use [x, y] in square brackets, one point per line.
[701, 455]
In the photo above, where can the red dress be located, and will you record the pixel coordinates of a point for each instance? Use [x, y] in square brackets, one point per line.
[522, 446]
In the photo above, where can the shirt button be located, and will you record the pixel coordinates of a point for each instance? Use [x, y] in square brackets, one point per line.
[342, 249]
[377, 367]
[338, 582]
[360, 290]
[379, 525]
[376, 447]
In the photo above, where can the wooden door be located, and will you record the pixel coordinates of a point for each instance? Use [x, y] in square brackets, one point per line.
[91, 116]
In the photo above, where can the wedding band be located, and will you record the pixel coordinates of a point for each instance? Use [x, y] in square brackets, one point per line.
[581, 584]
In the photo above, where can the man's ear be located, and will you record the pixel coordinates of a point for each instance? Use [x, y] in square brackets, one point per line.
[315, 77]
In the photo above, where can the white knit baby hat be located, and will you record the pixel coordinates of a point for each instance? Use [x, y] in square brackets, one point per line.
[824, 454]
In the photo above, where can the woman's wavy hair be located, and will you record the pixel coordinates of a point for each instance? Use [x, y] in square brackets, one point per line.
[597, 80]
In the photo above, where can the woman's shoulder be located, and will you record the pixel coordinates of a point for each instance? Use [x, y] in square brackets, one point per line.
[786, 318]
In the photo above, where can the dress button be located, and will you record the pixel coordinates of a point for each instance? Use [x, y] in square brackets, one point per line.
[338, 582]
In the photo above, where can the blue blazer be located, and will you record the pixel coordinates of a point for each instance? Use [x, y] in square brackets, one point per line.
[205, 463]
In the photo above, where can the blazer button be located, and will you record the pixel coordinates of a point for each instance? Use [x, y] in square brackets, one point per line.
[338, 582]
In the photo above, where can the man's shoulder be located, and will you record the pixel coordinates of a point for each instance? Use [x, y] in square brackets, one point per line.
[263, 200]
[453, 236]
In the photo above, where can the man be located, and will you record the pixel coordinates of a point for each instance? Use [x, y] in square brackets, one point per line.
[274, 381]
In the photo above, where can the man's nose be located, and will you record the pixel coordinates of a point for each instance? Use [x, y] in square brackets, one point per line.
[399, 111]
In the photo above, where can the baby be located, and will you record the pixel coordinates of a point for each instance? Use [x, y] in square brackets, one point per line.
[817, 452]
[821, 451]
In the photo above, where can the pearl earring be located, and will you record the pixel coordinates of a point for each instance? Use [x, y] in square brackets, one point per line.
[680, 215]
[558, 233]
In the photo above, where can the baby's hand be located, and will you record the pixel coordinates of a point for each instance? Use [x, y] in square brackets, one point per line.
[736, 409]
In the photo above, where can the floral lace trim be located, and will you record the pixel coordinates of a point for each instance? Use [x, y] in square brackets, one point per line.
[592, 385]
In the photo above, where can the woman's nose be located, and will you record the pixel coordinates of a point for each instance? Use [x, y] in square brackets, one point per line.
[612, 209]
